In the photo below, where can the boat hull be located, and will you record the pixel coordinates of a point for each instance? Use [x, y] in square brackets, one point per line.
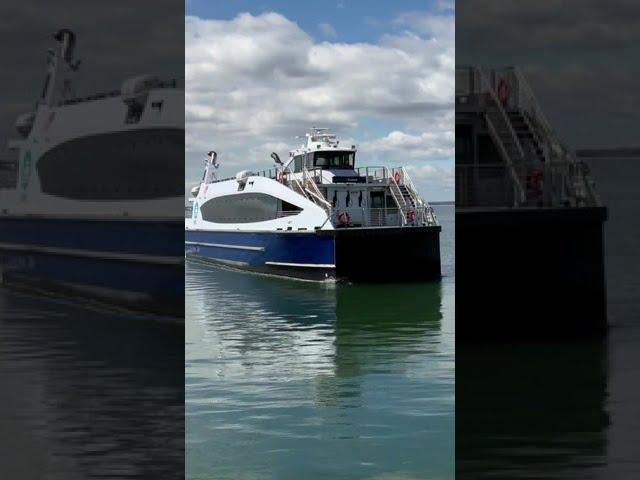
[354, 254]
[133, 264]
[306, 256]
[390, 254]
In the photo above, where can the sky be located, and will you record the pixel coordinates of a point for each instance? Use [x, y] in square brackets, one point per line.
[580, 57]
[378, 74]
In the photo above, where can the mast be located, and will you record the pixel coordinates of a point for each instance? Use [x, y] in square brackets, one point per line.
[210, 175]
[61, 70]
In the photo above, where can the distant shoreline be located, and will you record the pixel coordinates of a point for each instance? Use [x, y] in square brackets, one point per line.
[609, 152]
[443, 202]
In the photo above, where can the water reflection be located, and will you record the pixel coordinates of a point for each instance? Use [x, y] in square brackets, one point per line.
[320, 380]
[88, 394]
[531, 410]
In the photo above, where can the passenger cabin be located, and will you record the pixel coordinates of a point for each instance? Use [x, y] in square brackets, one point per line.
[325, 172]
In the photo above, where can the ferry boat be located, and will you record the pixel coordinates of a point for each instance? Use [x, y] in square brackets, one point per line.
[95, 207]
[529, 220]
[315, 216]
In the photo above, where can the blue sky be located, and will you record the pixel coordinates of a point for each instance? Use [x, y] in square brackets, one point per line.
[385, 82]
[353, 20]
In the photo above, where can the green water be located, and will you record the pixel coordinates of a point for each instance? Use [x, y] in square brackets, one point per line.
[292, 380]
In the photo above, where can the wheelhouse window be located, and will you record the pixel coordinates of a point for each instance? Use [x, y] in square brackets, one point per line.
[338, 159]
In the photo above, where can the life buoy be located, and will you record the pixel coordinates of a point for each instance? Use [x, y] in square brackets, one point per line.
[344, 218]
[503, 91]
[280, 177]
[396, 177]
[411, 216]
[535, 181]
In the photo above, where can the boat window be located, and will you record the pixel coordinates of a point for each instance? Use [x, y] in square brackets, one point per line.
[338, 159]
[297, 163]
[464, 152]
[289, 207]
[246, 208]
[308, 160]
[487, 151]
[67, 171]
[391, 203]
[377, 200]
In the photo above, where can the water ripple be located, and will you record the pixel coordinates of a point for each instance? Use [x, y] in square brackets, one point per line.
[293, 380]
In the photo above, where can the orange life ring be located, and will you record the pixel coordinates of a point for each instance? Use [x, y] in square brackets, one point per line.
[344, 218]
[396, 177]
[411, 216]
[503, 91]
[535, 181]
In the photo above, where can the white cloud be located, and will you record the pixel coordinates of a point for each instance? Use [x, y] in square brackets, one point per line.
[255, 82]
[430, 178]
[328, 30]
[438, 145]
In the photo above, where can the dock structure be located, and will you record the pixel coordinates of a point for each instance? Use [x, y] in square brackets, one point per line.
[529, 222]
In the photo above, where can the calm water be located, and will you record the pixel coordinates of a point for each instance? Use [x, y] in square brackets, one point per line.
[291, 380]
[564, 410]
[88, 393]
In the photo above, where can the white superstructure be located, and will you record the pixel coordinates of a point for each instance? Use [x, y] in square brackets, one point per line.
[106, 155]
[317, 188]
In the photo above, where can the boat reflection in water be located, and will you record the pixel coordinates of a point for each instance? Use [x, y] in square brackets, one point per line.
[88, 393]
[326, 378]
[531, 410]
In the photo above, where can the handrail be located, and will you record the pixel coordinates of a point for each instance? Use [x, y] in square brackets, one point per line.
[503, 114]
[508, 163]
[396, 196]
[389, 217]
[539, 114]
[294, 181]
[314, 190]
[162, 84]
[553, 184]
[413, 191]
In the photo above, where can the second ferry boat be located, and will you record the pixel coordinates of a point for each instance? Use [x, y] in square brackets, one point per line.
[315, 216]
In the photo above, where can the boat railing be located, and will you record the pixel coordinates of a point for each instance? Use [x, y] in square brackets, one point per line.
[269, 173]
[177, 82]
[312, 188]
[296, 185]
[396, 193]
[413, 191]
[383, 217]
[373, 174]
[560, 184]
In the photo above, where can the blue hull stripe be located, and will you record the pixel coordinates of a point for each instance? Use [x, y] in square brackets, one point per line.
[301, 265]
[75, 252]
[222, 245]
[294, 250]
[126, 257]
